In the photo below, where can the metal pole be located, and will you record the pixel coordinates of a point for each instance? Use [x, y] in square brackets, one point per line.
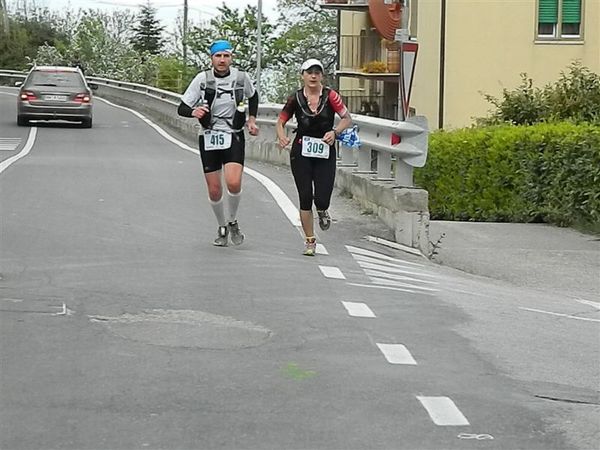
[184, 35]
[258, 45]
[4, 16]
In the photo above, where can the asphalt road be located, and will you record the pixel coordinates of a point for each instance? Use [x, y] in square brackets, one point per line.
[122, 327]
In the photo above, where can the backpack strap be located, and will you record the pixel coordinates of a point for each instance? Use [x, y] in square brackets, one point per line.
[303, 104]
[239, 87]
[210, 89]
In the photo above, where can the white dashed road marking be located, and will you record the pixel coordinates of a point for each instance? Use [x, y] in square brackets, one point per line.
[386, 282]
[321, 250]
[362, 251]
[397, 354]
[389, 288]
[372, 263]
[387, 271]
[358, 309]
[9, 144]
[24, 151]
[443, 411]
[332, 272]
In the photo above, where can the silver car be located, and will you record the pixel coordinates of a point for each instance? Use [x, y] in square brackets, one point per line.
[55, 93]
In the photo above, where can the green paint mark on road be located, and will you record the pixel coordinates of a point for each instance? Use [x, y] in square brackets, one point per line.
[293, 371]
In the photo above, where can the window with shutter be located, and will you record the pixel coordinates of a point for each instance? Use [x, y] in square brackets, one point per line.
[559, 19]
[571, 17]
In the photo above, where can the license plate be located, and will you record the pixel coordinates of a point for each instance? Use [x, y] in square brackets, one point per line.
[56, 98]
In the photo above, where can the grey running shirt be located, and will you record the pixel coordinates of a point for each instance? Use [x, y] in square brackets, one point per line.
[224, 105]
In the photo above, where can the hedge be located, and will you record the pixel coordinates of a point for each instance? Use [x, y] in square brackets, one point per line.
[547, 172]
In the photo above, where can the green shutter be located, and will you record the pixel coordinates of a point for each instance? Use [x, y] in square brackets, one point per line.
[548, 11]
[571, 11]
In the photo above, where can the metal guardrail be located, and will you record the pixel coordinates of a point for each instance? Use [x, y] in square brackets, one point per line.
[377, 156]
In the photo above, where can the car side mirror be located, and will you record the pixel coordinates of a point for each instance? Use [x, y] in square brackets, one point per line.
[18, 83]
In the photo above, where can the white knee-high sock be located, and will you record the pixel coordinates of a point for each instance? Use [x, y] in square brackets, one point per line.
[233, 201]
[219, 211]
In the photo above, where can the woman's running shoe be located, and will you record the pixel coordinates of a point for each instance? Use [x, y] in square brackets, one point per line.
[310, 247]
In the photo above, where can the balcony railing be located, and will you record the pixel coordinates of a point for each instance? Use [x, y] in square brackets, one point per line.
[357, 53]
[370, 105]
[352, 5]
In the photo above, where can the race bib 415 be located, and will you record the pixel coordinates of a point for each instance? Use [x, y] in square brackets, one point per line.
[216, 140]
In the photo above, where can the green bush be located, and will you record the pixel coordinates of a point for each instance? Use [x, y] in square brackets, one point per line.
[575, 97]
[540, 173]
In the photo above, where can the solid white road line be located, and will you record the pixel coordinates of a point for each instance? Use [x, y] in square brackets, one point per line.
[358, 309]
[397, 246]
[24, 151]
[332, 272]
[286, 205]
[362, 251]
[443, 411]
[568, 316]
[397, 354]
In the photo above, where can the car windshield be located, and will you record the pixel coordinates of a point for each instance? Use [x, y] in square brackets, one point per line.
[62, 79]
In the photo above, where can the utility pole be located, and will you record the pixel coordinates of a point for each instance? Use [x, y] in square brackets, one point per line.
[258, 45]
[4, 16]
[184, 36]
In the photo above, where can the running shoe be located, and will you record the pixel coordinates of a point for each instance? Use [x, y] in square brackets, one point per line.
[310, 247]
[237, 237]
[221, 240]
[324, 219]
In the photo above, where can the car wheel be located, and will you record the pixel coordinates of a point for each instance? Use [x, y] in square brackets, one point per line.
[87, 123]
[22, 121]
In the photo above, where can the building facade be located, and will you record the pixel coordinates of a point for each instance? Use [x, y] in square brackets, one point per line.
[467, 48]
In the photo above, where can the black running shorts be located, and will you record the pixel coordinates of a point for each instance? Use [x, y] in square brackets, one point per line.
[213, 160]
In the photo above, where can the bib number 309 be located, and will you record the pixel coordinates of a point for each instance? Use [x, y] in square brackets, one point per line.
[314, 147]
[216, 140]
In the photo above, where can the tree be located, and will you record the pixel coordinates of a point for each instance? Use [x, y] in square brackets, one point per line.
[238, 28]
[20, 42]
[308, 32]
[148, 32]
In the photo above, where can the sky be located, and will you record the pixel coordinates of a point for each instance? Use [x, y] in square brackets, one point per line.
[167, 10]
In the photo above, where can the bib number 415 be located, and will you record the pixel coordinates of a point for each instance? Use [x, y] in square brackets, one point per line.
[216, 140]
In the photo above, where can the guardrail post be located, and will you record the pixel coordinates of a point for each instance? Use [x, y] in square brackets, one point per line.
[364, 160]
[384, 166]
[404, 174]
[347, 156]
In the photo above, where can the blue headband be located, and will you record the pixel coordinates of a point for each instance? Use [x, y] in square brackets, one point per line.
[220, 46]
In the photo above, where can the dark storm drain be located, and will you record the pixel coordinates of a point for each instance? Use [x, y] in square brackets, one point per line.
[186, 328]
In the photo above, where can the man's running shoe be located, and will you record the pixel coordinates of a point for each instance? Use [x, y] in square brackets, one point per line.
[310, 247]
[324, 219]
[237, 237]
[221, 240]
